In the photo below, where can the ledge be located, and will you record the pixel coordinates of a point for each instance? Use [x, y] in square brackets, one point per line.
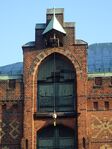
[41, 115]
[97, 86]
[9, 77]
[100, 110]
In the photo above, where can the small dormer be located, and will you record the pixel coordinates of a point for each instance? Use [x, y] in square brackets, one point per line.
[54, 32]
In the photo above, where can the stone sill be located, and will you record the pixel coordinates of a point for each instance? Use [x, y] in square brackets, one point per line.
[46, 115]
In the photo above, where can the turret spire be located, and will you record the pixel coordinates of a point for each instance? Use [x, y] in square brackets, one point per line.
[54, 24]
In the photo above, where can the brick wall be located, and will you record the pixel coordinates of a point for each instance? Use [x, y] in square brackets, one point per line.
[32, 60]
[99, 121]
[20, 121]
[11, 115]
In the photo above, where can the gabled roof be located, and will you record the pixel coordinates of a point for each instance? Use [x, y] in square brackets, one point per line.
[29, 44]
[15, 69]
[54, 24]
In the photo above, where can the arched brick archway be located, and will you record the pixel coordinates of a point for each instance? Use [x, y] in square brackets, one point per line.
[56, 84]
[45, 53]
[33, 72]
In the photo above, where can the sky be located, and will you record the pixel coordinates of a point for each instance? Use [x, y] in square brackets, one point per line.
[93, 20]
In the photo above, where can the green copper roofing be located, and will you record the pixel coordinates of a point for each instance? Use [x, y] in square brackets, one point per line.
[7, 77]
[103, 74]
[54, 24]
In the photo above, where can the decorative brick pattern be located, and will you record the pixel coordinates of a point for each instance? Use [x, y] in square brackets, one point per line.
[106, 146]
[2, 125]
[46, 53]
[94, 127]
[101, 127]
[14, 129]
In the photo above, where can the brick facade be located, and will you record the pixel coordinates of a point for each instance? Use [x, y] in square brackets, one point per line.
[20, 120]
[11, 114]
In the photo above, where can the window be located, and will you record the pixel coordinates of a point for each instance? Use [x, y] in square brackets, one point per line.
[12, 84]
[98, 81]
[58, 137]
[56, 85]
[106, 104]
[60, 97]
[95, 105]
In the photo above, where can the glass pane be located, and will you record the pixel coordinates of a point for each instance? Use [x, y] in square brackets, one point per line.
[67, 133]
[64, 109]
[46, 100]
[65, 89]
[46, 109]
[64, 99]
[45, 142]
[45, 90]
[62, 138]
[67, 142]
[67, 101]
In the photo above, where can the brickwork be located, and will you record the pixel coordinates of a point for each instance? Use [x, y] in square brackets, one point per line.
[11, 115]
[20, 120]
[99, 121]
[32, 60]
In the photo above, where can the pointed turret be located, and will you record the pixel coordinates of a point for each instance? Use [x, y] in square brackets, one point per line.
[54, 25]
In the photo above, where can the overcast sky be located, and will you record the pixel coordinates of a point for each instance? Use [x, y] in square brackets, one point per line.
[18, 18]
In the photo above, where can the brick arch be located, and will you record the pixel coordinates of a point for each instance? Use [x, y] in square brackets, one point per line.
[60, 128]
[42, 55]
[51, 125]
[33, 71]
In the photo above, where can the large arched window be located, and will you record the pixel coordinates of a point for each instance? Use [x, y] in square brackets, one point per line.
[58, 137]
[56, 85]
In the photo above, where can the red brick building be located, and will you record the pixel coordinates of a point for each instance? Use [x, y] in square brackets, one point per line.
[55, 103]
